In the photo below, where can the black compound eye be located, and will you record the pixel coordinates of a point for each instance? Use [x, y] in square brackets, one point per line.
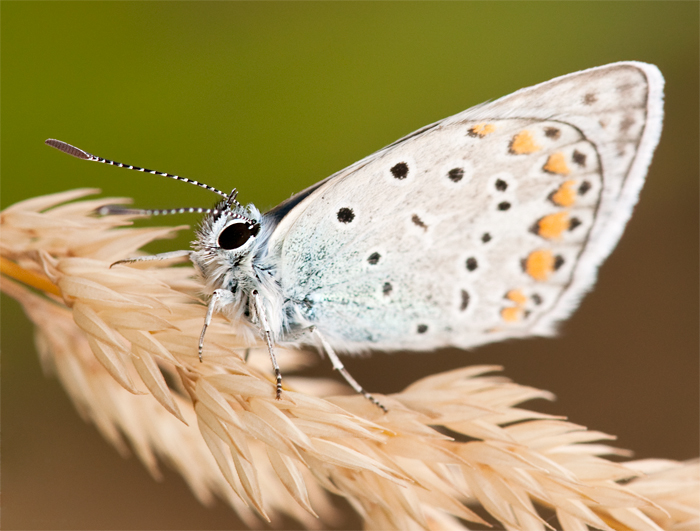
[237, 234]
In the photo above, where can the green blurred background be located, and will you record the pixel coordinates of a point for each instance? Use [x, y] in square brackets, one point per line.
[271, 97]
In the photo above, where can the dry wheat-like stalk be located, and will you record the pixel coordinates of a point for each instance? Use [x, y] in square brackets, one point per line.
[123, 341]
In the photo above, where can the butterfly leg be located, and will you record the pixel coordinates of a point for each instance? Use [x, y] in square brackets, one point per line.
[220, 297]
[338, 366]
[260, 311]
[154, 257]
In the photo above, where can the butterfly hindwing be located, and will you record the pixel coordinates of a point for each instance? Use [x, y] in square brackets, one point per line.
[487, 225]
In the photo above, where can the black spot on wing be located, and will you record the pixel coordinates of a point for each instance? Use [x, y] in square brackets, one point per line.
[345, 215]
[418, 222]
[387, 288]
[465, 301]
[400, 170]
[579, 158]
[455, 174]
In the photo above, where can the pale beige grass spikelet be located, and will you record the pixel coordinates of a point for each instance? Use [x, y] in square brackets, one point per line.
[115, 332]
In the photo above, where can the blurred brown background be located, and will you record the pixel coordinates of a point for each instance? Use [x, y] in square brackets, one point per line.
[273, 97]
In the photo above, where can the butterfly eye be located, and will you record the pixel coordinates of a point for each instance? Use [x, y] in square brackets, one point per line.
[237, 234]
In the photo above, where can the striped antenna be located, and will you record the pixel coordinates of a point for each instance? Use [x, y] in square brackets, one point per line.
[116, 210]
[84, 155]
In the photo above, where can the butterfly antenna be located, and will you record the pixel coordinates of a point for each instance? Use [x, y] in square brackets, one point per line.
[117, 210]
[84, 155]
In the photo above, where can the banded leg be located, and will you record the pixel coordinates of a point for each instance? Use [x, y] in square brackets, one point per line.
[154, 257]
[338, 366]
[219, 297]
[260, 311]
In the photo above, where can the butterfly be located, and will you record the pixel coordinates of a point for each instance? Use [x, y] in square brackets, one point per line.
[487, 225]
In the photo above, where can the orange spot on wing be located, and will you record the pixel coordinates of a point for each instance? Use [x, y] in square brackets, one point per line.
[517, 296]
[482, 130]
[523, 143]
[556, 163]
[553, 225]
[512, 314]
[540, 264]
[566, 195]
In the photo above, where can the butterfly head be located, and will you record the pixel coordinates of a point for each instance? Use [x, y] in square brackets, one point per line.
[227, 240]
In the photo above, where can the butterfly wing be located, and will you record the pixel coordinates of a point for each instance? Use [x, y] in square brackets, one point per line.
[487, 225]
